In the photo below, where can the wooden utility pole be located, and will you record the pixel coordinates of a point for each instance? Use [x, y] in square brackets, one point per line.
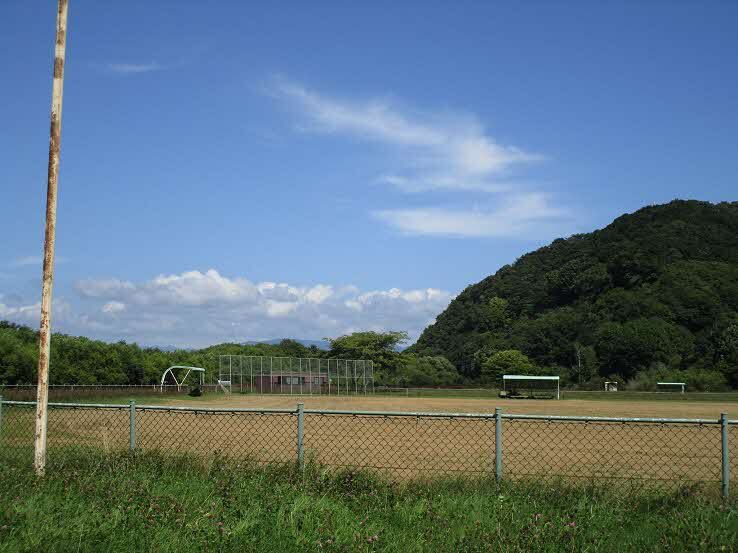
[44, 346]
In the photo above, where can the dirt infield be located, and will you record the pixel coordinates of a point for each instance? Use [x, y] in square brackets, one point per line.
[585, 407]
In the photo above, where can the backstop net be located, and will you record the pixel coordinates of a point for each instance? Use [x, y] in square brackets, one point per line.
[295, 375]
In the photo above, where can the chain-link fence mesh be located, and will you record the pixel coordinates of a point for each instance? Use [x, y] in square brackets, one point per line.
[261, 437]
[17, 425]
[402, 446]
[612, 450]
[105, 429]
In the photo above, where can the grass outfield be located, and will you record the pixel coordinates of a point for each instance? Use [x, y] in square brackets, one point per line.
[147, 503]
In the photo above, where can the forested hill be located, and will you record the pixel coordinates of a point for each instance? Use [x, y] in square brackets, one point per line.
[656, 288]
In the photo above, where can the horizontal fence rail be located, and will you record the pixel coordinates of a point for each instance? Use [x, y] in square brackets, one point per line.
[76, 391]
[658, 451]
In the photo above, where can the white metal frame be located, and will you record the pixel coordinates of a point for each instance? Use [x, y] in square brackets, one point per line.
[181, 383]
[506, 377]
[682, 385]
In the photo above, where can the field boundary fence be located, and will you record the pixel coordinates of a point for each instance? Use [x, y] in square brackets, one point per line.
[404, 445]
[27, 392]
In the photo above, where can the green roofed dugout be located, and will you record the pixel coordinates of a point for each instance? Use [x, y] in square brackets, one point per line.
[516, 382]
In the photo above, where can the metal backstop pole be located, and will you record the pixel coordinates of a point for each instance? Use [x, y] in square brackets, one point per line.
[498, 444]
[725, 451]
[44, 342]
[132, 420]
[300, 432]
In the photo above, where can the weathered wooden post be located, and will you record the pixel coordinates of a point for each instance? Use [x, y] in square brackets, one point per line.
[42, 394]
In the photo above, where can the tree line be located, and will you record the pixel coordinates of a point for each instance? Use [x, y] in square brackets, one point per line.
[80, 360]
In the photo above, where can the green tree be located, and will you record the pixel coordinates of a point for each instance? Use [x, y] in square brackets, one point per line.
[379, 347]
[509, 361]
[425, 371]
[727, 348]
[494, 314]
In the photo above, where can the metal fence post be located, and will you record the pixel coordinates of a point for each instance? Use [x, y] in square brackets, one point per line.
[132, 418]
[498, 444]
[300, 431]
[1, 416]
[726, 460]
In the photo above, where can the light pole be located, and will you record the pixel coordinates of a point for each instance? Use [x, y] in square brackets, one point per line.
[44, 334]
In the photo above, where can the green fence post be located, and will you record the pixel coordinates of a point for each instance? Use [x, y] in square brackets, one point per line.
[726, 460]
[132, 418]
[300, 431]
[498, 444]
[1, 416]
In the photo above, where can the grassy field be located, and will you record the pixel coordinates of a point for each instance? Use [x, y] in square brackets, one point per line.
[93, 502]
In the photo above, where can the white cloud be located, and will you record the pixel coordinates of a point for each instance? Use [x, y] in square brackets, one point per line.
[23, 313]
[132, 68]
[443, 150]
[28, 260]
[30, 314]
[520, 216]
[197, 308]
[114, 307]
[189, 288]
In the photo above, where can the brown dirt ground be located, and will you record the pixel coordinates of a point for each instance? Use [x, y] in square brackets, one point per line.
[614, 408]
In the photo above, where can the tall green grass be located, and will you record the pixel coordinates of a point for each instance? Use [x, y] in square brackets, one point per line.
[144, 502]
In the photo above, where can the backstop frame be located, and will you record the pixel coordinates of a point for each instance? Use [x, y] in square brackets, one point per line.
[296, 375]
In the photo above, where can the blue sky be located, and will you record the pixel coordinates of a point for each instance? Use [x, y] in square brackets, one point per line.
[243, 171]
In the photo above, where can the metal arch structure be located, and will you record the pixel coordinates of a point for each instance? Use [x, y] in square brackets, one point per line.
[181, 383]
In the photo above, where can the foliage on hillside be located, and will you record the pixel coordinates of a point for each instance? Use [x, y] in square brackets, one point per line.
[656, 289]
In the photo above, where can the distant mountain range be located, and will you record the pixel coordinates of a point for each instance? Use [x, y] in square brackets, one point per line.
[320, 344]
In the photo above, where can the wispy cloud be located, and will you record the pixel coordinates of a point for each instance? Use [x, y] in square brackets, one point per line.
[28, 260]
[132, 68]
[443, 150]
[530, 216]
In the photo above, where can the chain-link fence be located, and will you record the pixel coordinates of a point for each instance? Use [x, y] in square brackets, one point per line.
[62, 392]
[403, 445]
